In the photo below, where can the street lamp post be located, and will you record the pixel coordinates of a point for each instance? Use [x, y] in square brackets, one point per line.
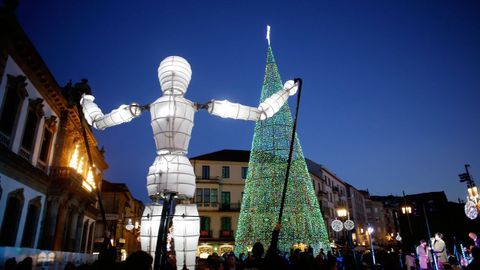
[407, 210]
[473, 198]
[370, 231]
[348, 225]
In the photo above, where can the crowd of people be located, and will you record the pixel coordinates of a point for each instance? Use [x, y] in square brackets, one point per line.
[434, 255]
[430, 255]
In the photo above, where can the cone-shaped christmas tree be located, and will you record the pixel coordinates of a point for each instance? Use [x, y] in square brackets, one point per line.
[302, 221]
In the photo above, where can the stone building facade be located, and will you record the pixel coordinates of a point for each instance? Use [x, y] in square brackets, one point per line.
[47, 188]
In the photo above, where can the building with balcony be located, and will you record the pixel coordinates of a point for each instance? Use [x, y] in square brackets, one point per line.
[331, 194]
[124, 214]
[376, 219]
[47, 198]
[220, 181]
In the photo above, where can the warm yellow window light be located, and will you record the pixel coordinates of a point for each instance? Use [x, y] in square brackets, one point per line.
[74, 158]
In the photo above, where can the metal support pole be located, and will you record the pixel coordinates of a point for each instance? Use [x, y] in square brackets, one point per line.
[408, 220]
[470, 183]
[435, 263]
[371, 245]
[161, 248]
[97, 189]
[287, 174]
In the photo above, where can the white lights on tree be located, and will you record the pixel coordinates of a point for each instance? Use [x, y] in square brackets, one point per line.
[186, 231]
[149, 229]
[172, 117]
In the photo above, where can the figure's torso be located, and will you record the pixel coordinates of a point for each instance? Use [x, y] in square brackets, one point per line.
[172, 123]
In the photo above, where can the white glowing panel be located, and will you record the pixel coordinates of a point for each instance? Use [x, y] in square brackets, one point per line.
[149, 227]
[266, 109]
[171, 173]
[95, 117]
[172, 123]
[174, 74]
[186, 231]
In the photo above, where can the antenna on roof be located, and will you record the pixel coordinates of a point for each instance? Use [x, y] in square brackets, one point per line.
[268, 34]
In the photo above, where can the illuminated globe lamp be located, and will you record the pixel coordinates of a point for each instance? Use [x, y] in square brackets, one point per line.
[129, 226]
[338, 225]
[472, 206]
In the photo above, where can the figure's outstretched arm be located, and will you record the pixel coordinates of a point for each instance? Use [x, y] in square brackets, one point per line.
[95, 117]
[266, 109]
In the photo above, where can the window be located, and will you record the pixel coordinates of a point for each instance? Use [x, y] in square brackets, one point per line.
[226, 223]
[205, 172]
[205, 227]
[48, 131]
[45, 149]
[29, 133]
[225, 172]
[30, 230]
[206, 197]
[244, 172]
[204, 223]
[14, 96]
[199, 196]
[225, 200]
[11, 218]
[214, 197]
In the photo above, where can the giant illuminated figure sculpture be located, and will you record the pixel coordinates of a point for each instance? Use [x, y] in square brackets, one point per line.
[171, 173]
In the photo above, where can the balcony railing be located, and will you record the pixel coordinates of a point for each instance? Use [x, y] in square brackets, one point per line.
[204, 204]
[230, 206]
[226, 234]
[205, 233]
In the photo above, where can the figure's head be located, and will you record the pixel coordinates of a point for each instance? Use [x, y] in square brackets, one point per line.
[472, 235]
[174, 74]
[423, 243]
[438, 236]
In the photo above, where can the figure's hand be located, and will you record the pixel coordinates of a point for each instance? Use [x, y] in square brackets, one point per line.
[135, 109]
[291, 87]
[86, 98]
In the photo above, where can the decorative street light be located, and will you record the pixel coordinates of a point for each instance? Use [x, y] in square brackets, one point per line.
[406, 210]
[370, 231]
[341, 212]
[338, 225]
[472, 205]
[129, 225]
[348, 225]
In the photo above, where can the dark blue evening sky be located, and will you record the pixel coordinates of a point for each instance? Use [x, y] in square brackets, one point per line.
[391, 88]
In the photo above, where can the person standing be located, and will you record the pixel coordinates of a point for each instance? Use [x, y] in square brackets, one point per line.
[474, 237]
[440, 251]
[423, 254]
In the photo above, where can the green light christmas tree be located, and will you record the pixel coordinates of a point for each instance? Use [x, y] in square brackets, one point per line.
[302, 220]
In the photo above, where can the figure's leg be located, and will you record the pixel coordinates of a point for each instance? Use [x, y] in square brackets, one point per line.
[149, 229]
[186, 231]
